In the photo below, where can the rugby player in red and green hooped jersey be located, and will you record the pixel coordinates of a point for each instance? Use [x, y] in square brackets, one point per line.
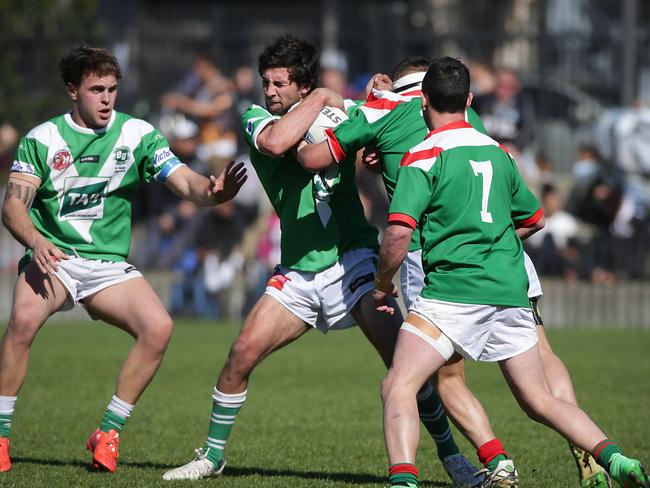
[389, 124]
[465, 192]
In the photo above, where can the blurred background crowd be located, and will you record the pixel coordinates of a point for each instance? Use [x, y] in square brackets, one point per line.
[565, 85]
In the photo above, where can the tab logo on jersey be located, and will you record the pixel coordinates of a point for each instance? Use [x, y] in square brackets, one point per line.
[83, 198]
[62, 159]
[162, 155]
[122, 154]
[94, 158]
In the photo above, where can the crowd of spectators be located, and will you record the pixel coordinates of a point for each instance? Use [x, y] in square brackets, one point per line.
[220, 258]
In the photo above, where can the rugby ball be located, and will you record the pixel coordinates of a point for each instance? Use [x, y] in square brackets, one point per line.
[328, 117]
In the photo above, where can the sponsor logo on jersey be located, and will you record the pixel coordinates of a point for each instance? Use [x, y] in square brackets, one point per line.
[122, 154]
[278, 280]
[83, 198]
[94, 158]
[249, 127]
[162, 155]
[21, 167]
[62, 159]
[361, 280]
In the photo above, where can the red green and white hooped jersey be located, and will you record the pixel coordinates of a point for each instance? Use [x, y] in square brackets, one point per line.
[392, 123]
[321, 216]
[465, 193]
[88, 179]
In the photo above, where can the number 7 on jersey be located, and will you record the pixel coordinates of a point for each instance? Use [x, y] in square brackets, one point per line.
[484, 168]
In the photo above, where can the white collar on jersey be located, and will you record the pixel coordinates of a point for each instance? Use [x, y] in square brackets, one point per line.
[87, 130]
[408, 81]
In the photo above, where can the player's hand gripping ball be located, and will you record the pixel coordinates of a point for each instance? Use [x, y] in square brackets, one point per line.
[328, 117]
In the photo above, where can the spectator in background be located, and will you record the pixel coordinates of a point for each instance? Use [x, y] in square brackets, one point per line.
[8, 142]
[205, 96]
[507, 112]
[548, 247]
[245, 94]
[483, 79]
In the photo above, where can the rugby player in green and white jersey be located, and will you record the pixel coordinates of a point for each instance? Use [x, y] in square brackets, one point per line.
[464, 191]
[388, 126]
[328, 249]
[68, 201]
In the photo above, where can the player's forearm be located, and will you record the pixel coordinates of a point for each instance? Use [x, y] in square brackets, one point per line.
[15, 218]
[314, 157]
[193, 187]
[525, 232]
[286, 132]
[394, 247]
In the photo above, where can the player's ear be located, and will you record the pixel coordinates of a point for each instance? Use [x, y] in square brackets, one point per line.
[470, 97]
[424, 101]
[305, 90]
[72, 91]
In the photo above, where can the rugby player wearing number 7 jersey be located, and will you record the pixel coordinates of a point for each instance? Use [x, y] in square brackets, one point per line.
[465, 192]
[388, 126]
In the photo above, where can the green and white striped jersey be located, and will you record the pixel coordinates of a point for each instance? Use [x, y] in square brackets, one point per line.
[321, 216]
[88, 179]
[465, 193]
[392, 123]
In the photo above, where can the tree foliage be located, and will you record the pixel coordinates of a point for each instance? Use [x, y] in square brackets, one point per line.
[33, 35]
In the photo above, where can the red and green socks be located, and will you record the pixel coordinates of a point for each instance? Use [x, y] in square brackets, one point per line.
[491, 453]
[403, 474]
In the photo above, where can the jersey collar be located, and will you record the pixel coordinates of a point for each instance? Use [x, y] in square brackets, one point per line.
[86, 130]
[459, 124]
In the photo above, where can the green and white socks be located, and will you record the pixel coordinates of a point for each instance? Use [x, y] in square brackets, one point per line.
[7, 404]
[116, 415]
[225, 408]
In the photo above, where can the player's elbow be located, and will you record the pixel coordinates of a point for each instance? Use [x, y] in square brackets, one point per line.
[273, 146]
[539, 225]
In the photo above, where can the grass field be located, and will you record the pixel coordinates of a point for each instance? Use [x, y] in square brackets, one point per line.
[313, 415]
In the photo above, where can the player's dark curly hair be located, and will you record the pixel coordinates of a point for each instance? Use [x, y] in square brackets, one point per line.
[82, 60]
[412, 64]
[446, 85]
[298, 56]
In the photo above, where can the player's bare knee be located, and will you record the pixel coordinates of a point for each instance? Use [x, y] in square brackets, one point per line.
[158, 333]
[23, 326]
[537, 408]
[244, 354]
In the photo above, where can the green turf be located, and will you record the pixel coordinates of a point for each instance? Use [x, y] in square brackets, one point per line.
[313, 416]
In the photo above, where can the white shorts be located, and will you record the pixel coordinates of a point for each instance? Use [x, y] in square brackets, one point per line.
[325, 299]
[534, 286]
[481, 332]
[84, 277]
[412, 277]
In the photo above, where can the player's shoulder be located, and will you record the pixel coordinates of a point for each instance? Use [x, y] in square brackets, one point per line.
[126, 122]
[458, 135]
[384, 102]
[254, 111]
[45, 131]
